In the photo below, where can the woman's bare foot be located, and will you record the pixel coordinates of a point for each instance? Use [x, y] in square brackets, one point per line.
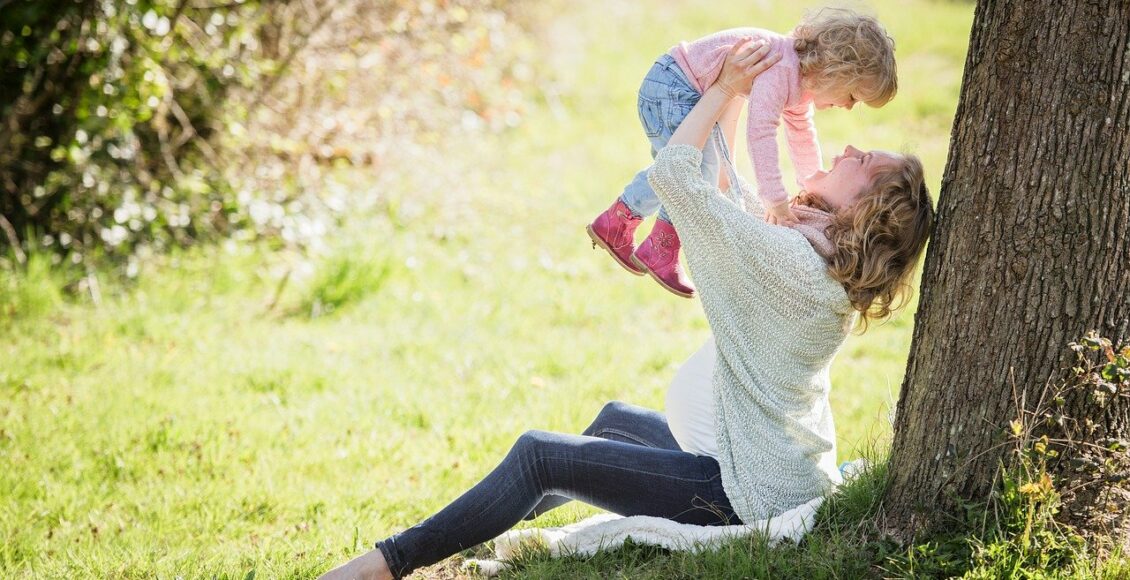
[371, 566]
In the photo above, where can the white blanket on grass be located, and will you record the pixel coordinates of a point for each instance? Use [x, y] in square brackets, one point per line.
[609, 531]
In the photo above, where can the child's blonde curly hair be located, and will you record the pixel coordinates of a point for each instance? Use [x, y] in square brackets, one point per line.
[841, 48]
[879, 239]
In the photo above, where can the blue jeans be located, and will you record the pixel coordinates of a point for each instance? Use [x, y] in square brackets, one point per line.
[626, 462]
[666, 97]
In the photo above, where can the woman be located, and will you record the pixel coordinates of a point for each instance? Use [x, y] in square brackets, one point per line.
[754, 437]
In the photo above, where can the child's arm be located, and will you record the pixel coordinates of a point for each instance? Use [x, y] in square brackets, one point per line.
[767, 100]
[804, 148]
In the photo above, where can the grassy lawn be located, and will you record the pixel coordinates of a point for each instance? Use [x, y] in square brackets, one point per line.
[210, 420]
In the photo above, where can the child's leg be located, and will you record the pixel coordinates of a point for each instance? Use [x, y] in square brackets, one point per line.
[639, 197]
[665, 99]
[658, 255]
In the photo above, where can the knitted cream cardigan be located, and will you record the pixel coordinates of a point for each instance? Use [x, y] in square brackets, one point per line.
[778, 319]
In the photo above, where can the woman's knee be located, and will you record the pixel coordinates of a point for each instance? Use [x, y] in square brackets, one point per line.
[610, 415]
[532, 442]
[530, 451]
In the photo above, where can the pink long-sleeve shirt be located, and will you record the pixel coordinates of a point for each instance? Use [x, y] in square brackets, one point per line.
[776, 94]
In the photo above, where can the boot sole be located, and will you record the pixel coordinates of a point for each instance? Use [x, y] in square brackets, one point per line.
[596, 240]
[659, 280]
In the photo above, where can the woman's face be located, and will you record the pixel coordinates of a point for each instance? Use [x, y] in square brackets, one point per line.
[849, 176]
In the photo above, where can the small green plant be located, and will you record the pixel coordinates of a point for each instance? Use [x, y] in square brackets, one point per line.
[1101, 369]
[1026, 539]
[344, 279]
[31, 290]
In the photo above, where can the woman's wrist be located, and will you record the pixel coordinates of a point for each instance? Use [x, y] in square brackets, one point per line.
[729, 92]
[722, 95]
[717, 99]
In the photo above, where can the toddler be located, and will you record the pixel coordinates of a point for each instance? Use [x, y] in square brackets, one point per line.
[833, 58]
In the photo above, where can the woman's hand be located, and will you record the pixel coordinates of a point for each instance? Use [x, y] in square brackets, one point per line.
[746, 60]
[781, 215]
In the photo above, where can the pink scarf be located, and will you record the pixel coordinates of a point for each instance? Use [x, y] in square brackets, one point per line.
[812, 224]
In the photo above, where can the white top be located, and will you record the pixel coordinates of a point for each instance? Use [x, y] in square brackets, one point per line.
[690, 403]
[778, 319]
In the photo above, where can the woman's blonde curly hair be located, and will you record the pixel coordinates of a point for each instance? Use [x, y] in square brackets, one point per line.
[879, 239]
[840, 48]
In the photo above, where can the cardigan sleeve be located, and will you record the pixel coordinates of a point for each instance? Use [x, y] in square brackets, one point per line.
[750, 200]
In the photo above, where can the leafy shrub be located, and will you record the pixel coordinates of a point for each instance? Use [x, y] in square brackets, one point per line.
[112, 108]
[135, 126]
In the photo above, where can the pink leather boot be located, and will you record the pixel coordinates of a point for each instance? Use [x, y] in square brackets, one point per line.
[658, 255]
[614, 230]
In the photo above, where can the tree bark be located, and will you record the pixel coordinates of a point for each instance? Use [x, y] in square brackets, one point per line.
[1031, 247]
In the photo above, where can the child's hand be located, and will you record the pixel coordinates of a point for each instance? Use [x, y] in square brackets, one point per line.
[781, 215]
[746, 60]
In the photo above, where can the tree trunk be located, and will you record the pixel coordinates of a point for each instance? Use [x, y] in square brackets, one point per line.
[1031, 248]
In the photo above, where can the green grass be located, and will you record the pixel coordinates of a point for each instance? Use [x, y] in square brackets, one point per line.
[31, 293]
[236, 412]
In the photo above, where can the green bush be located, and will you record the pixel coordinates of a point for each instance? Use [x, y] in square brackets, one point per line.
[111, 108]
[132, 127]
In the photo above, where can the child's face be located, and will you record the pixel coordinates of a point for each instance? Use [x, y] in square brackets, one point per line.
[834, 97]
[851, 173]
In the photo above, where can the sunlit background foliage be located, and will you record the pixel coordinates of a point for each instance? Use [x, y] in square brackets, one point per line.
[132, 126]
